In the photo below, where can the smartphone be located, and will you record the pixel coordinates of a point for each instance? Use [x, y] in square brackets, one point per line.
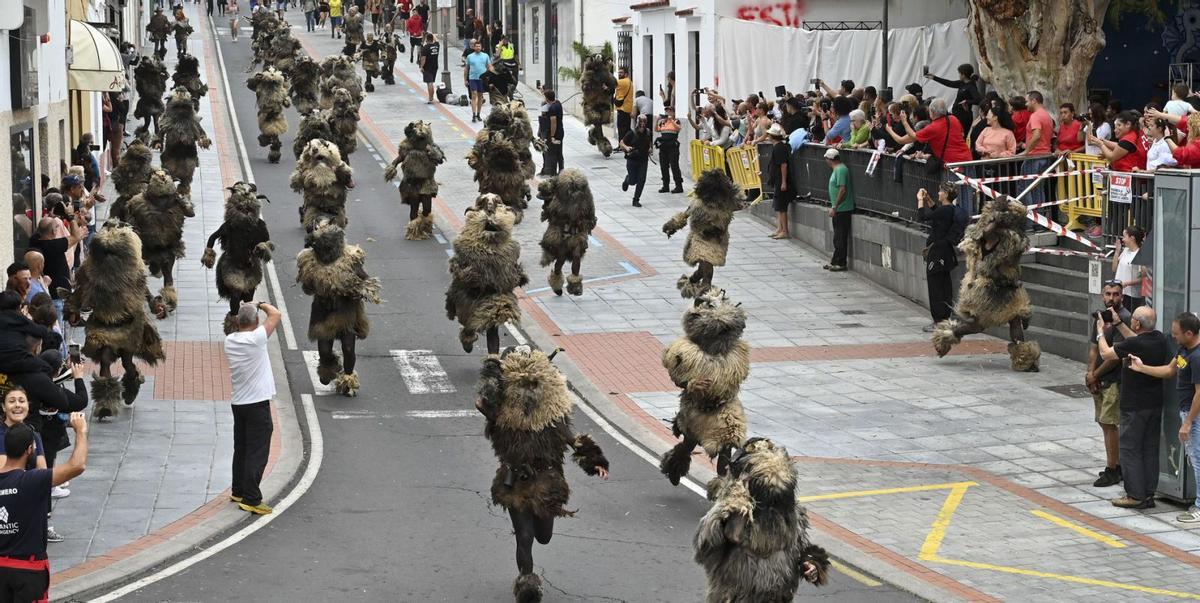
[780, 91]
[925, 70]
[537, 84]
[94, 147]
[73, 351]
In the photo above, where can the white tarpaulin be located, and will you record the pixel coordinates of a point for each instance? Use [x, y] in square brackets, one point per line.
[753, 57]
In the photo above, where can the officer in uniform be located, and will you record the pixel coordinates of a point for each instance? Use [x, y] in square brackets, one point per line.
[668, 150]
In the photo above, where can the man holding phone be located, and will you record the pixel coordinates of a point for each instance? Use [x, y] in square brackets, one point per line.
[1103, 380]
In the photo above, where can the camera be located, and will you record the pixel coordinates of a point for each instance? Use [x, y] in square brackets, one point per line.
[94, 147]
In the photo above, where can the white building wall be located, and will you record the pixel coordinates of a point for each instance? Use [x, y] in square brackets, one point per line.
[901, 13]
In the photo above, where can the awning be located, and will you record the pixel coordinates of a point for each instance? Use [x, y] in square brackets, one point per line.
[96, 62]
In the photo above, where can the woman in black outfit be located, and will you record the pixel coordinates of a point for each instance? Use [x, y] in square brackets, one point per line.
[941, 257]
[968, 94]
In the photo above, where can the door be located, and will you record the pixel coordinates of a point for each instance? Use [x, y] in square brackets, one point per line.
[1170, 298]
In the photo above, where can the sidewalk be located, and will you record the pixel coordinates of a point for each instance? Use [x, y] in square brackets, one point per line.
[955, 472]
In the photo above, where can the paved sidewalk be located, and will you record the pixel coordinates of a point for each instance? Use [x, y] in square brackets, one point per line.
[888, 435]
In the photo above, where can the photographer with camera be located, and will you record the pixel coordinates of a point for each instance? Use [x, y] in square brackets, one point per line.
[1103, 380]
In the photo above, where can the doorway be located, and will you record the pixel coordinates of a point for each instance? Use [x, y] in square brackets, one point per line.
[648, 65]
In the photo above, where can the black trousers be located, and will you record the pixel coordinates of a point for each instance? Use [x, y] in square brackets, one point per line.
[623, 122]
[841, 237]
[635, 175]
[22, 585]
[552, 159]
[668, 162]
[252, 428]
[1139, 435]
[941, 295]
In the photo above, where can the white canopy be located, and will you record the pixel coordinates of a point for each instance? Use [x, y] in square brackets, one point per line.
[96, 63]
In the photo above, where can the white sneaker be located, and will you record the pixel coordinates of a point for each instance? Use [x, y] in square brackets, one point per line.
[52, 536]
[1192, 515]
[59, 492]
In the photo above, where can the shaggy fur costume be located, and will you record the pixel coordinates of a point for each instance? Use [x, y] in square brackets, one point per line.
[709, 362]
[753, 543]
[714, 200]
[245, 245]
[271, 94]
[157, 215]
[991, 293]
[283, 49]
[150, 78]
[484, 270]
[520, 131]
[354, 28]
[187, 74]
[496, 160]
[313, 126]
[182, 29]
[337, 71]
[332, 273]
[369, 54]
[343, 122]
[570, 216]
[305, 85]
[263, 24]
[323, 178]
[179, 133]
[112, 282]
[417, 158]
[598, 85]
[131, 175]
[158, 29]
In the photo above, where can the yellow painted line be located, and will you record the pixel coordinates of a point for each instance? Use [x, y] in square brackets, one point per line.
[1056, 520]
[933, 541]
[859, 493]
[1064, 577]
[854, 574]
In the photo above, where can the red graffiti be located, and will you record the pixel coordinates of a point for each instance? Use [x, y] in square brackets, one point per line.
[784, 14]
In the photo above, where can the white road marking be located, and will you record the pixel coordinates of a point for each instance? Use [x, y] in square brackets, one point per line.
[316, 454]
[422, 372]
[440, 239]
[311, 359]
[442, 414]
[359, 414]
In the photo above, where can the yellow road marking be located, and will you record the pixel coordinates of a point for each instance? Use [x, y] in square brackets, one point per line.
[1056, 520]
[933, 541]
[854, 574]
[1064, 577]
[859, 493]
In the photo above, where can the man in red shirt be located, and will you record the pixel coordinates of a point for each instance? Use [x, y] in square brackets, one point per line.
[1070, 130]
[1038, 134]
[416, 31]
[943, 135]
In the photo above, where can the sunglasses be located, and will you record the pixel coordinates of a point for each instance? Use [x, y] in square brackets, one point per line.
[1113, 282]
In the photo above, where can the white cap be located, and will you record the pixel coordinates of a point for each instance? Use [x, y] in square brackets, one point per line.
[831, 154]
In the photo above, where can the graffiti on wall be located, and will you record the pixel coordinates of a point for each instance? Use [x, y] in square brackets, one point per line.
[785, 13]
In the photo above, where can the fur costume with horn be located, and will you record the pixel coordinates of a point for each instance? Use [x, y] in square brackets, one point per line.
[150, 78]
[323, 179]
[991, 293]
[131, 175]
[271, 95]
[598, 85]
[527, 406]
[714, 200]
[157, 215]
[417, 158]
[245, 246]
[179, 133]
[570, 216]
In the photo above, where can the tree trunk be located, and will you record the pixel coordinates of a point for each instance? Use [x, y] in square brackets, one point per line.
[1043, 45]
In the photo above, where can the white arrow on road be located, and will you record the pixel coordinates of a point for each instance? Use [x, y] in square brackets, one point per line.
[422, 372]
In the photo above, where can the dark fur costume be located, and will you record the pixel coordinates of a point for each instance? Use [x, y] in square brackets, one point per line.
[131, 175]
[570, 216]
[158, 29]
[271, 95]
[178, 134]
[496, 159]
[484, 271]
[714, 200]
[182, 29]
[527, 407]
[520, 131]
[322, 178]
[391, 50]
[157, 215]
[598, 85]
[112, 282]
[753, 542]
[284, 49]
[313, 126]
[343, 122]
[187, 74]
[369, 54]
[709, 362]
[991, 293]
[263, 24]
[305, 85]
[417, 158]
[150, 78]
[337, 71]
[245, 245]
[354, 27]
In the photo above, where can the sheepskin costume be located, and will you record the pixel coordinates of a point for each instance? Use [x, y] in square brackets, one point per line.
[753, 542]
[417, 158]
[322, 178]
[520, 131]
[263, 24]
[709, 363]
[337, 71]
[187, 74]
[391, 50]
[496, 159]
[157, 215]
[158, 29]
[271, 94]
[332, 273]
[313, 126]
[305, 84]
[484, 271]
[245, 245]
[182, 29]
[598, 85]
[369, 55]
[991, 293]
[713, 202]
[283, 49]
[179, 131]
[112, 282]
[343, 122]
[150, 78]
[131, 175]
[570, 216]
[525, 401]
[353, 26]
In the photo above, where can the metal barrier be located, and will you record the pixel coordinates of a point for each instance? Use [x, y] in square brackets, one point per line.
[705, 156]
[1139, 210]
[1086, 190]
[891, 190]
[743, 166]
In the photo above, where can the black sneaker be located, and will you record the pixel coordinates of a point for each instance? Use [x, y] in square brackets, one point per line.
[637, 203]
[625, 185]
[664, 190]
[1108, 477]
[678, 189]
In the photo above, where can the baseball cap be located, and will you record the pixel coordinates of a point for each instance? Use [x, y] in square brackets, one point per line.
[831, 154]
[914, 89]
[71, 180]
[776, 131]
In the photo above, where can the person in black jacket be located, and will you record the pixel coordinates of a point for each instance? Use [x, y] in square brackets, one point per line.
[23, 362]
[941, 257]
[968, 94]
[636, 145]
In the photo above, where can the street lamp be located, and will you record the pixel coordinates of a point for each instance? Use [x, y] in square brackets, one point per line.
[444, 7]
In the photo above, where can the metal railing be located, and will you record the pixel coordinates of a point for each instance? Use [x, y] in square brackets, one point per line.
[1139, 211]
[705, 156]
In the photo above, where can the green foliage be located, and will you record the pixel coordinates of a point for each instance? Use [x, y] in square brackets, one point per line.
[1152, 9]
[583, 52]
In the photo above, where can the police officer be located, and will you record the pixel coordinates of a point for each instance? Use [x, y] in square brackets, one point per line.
[668, 150]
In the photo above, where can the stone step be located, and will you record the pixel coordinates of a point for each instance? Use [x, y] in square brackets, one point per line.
[1049, 296]
[1052, 342]
[1070, 323]
[1070, 262]
[1053, 276]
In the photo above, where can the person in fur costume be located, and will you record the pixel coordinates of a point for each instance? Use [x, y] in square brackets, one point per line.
[353, 26]
[158, 29]
[157, 215]
[284, 49]
[369, 54]
[112, 283]
[182, 29]
[520, 131]
[991, 293]
[332, 273]
[245, 244]
[598, 85]
[187, 75]
[313, 126]
[178, 135]
[150, 79]
[271, 93]
[391, 49]
[753, 542]
[714, 200]
[343, 122]
[524, 400]
[304, 85]
[709, 363]
[417, 158]
[131, 175]
[263, 23]
[484, 271]
[496, 159]
[337, 71]
[323, 179]
[570, 216]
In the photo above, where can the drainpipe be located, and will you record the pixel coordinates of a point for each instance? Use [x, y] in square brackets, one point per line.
[885, 43]
[549, 75]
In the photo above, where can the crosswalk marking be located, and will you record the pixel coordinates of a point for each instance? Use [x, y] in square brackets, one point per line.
[442, 414]
[310, 361]
[358, 414]
[422, 372]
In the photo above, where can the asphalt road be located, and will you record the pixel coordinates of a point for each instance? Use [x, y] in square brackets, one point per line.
[400, 510]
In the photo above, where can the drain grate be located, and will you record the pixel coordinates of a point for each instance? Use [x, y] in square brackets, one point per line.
[1071, 391]
[853, 312]
[849, 325]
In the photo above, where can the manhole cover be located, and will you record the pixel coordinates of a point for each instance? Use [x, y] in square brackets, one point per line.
[853, 312]
[849, 325]
[1070, 391]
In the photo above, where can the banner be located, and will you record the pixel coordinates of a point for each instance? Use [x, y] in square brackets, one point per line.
[1120, 187]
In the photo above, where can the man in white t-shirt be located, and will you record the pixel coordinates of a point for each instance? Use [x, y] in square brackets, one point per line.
[1178, 105]
[253, 387]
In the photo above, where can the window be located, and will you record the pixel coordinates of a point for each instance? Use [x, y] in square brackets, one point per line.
[22, 60]
[624, 49]
[21, 174]
[536, 35]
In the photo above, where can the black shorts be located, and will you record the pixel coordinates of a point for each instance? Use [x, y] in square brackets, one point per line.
[429, 76]
[24, 585]
[782, 200]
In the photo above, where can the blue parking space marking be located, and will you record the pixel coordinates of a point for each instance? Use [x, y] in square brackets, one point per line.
[630, 270]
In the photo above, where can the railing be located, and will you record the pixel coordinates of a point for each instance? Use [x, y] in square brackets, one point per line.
[1119, 215]
[1086, 190]
[705, 156]
[743, 164]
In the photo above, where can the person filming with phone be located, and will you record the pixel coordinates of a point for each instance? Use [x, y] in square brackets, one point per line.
[1103, 380]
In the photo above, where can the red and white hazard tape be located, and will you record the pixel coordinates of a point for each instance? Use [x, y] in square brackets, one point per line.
[1047, 204]
[1071, 252]
[998, 179]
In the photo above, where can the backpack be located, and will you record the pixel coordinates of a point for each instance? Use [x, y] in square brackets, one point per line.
[961, 218]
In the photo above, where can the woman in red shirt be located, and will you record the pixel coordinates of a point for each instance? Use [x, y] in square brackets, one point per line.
[1188, 155]
[1070, 130]
[1129, 151]
[1020, 117]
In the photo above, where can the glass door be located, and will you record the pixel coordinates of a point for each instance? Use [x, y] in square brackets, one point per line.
[1171, 240]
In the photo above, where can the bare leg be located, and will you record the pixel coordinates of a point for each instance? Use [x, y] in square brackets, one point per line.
[1112, 447]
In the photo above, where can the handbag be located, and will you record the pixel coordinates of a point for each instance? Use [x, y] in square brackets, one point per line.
[934, 164]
